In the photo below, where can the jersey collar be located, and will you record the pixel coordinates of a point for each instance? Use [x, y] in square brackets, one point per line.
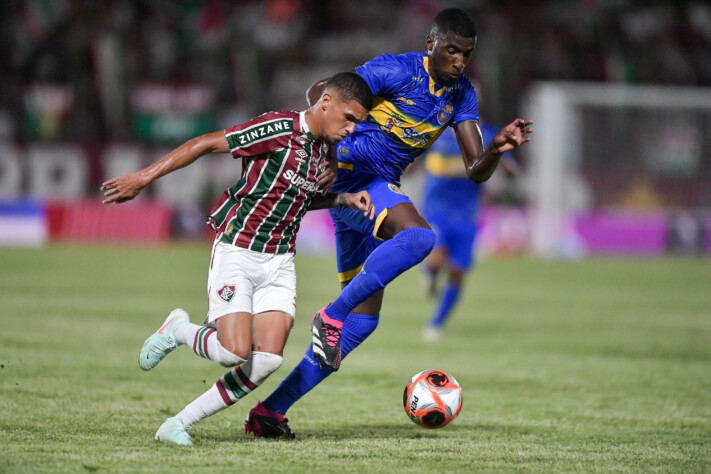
[433, 84]
[304, 127]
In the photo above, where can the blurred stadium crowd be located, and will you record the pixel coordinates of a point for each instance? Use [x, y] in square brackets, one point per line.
[90, 90]
[165, 70]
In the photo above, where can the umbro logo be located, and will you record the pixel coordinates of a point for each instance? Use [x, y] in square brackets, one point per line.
[301, 156]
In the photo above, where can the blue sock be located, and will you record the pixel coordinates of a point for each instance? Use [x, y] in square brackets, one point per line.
[391, 258]
[308, 373]
[446, 304]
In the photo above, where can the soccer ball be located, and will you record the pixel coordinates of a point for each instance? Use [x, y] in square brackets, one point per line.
[432, 399]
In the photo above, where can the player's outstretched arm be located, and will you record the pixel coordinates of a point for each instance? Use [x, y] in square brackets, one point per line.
[360, 201]
[128, 186]
[481, 164]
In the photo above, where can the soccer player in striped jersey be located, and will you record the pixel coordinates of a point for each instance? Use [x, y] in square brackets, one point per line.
[417, 95]
[251, 280]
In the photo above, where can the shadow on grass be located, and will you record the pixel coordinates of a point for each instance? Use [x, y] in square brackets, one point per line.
[370, 432]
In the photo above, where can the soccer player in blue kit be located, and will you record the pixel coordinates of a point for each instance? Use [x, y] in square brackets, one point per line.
[450, 203]
[417, 96]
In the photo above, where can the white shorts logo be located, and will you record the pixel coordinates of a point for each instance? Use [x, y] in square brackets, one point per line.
[227, 292]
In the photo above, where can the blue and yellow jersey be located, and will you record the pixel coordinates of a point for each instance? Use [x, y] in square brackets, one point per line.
[409, 112]
[447, 190]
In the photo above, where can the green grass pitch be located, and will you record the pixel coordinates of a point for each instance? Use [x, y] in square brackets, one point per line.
[601, 365]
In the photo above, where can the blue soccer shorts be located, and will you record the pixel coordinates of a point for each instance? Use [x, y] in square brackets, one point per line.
[356, 233]
[456, 237]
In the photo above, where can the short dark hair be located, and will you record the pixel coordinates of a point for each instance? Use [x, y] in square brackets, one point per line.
[350, 86]
[455, 21]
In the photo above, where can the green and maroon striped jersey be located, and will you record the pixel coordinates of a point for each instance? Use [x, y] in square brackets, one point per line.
[280, 159]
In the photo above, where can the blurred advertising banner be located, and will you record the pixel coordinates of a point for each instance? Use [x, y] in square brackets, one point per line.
[52, 192]
[23, 223]
[166, 112]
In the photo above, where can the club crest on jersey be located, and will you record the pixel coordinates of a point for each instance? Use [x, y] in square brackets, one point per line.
[395, 189]
[226, 292]
[445, 114]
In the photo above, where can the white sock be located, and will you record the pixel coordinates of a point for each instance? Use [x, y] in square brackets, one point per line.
[232, 386]
[203, 342]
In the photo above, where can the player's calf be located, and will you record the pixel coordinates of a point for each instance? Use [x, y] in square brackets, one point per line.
[203, 341]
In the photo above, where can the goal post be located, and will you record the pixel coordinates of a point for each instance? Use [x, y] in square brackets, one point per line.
[606, 156]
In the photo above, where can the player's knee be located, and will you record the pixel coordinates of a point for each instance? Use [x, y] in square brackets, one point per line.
[418, 241]
[263, 364]
[230, 355]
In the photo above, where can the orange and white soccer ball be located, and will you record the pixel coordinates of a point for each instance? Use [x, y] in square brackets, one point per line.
[432, 399]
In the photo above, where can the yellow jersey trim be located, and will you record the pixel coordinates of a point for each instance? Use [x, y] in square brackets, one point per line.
[440, 165]
[378, 222]
[426, 64]
[349, 275]
[391, 119]
[345, 166]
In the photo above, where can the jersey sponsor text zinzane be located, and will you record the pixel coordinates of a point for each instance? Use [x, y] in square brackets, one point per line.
[248, 135]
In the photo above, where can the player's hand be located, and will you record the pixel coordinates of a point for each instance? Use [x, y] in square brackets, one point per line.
[512, 136]
[361, 201]
[122, 189]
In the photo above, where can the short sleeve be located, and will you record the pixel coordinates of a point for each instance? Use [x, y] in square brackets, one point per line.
[383, 73]
[260, 136]
[466, 106]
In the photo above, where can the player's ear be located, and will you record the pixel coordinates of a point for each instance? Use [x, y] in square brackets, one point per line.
[430, 43]
[326, 99]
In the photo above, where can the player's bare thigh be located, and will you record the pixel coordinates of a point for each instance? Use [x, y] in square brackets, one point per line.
[270, 331]
[403, 216]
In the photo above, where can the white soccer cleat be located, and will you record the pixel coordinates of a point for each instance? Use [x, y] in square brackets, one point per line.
[174, 432]
[163, 341]
[432, 333]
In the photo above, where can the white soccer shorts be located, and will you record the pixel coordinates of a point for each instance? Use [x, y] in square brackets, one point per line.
[242, 280]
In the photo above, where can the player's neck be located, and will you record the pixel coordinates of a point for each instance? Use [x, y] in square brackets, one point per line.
[312, 122]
